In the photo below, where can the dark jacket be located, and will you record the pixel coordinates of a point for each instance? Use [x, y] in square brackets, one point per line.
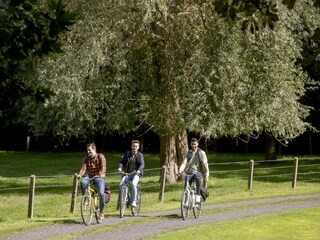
[139, 161]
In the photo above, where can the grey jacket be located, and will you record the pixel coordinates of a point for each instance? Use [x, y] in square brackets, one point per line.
[204, 167]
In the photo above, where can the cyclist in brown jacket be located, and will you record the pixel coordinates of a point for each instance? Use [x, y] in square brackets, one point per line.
[95, 164]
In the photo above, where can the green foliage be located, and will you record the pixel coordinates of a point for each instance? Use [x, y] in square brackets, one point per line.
[93, 91]
[254, 14]
[178, 65]
[28, 31]
[243, 81]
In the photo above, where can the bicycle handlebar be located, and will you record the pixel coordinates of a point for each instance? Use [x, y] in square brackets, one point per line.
[127, 174]
[90, 179]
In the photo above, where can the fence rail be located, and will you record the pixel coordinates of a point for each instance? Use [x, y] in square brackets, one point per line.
[284, 170]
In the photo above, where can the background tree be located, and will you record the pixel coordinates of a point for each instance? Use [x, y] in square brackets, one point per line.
[311, 63]
[90, 81]
[175, 66]
[29, 30]
[266, 14]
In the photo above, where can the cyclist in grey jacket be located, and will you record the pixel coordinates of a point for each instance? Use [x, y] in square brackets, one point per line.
[195, 165]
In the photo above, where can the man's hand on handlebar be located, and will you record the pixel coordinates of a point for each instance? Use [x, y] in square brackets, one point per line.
[179, 174]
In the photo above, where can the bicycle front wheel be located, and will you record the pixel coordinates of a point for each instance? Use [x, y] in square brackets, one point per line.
[136, 210]
[123, 200]
[185, 202]
[97, 207]
[86, 209]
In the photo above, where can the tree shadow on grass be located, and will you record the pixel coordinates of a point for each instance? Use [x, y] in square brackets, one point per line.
[56, 221]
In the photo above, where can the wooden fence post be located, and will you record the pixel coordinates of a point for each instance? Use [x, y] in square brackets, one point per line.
[74, 193]
[295, 172]
[250, 178]
[28, 143]
[31, 195]
[162, 183]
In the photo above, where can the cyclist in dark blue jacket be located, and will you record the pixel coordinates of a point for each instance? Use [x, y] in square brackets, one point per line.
[132, 161]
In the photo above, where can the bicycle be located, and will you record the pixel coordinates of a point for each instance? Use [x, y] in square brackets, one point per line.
[90, 204]
[188, 202]
[125, 197]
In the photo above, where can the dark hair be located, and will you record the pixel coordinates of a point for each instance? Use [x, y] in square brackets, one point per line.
[194, 140]
[92, 145]
[135, 141]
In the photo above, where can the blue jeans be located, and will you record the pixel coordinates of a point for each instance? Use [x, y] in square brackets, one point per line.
[99, 184]
[190, 177]
[135, 180]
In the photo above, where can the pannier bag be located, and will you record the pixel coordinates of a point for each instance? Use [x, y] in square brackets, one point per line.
[107, 193]
[204, 194]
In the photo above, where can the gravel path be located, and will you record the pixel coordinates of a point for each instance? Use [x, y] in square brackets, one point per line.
[173, 220]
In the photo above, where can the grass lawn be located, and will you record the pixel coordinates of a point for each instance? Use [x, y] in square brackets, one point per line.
[291, 225]
[54, 177]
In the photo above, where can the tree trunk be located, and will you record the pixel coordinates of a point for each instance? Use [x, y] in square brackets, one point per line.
[168, 156]
[270, 147]
[172, 151]
[182, 146]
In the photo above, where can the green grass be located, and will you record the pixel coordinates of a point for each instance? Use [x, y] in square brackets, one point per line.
[54, 177]
[285, 226]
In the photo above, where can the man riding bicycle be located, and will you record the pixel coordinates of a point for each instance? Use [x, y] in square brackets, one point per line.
[195, 164]
[132, 161]
[95, 164]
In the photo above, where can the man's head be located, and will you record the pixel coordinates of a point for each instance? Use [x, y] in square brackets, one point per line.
[135, 144]
[194, 144]
[91, 149]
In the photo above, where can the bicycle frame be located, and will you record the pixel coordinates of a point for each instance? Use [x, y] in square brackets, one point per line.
[125, 196]
[188, 202]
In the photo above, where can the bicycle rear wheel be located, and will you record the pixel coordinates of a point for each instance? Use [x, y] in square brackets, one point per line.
[86, 209]
[123, 202]
[185, 202]
[197, 209]
[136, 210]
[97, 207]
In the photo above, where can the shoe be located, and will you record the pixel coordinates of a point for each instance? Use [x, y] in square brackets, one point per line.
[101, 216]
[134, 204]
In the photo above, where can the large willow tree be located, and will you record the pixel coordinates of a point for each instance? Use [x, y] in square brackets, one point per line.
[177, 66]
[90, 79]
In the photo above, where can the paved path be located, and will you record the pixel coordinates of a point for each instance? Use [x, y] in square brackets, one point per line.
[171, 220]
